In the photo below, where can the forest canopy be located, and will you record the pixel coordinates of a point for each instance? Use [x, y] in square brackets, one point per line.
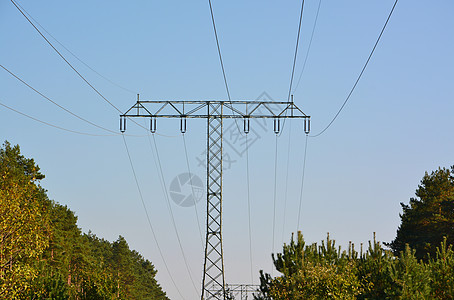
[45, 255]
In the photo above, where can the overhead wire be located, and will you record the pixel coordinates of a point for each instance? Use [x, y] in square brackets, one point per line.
[296, 51]
[222, 64]
[249, 209]
[302, 184]
[74, 55]
[169, 206]
[55, 103]
[219, 49]
[148, 219]
[52, 125]
[192, 189]
[286, 180]
[288, 100]
[62, 57]
[308, 47]
[294, 62]
[72, 67]
[360, 74]
[274, 200]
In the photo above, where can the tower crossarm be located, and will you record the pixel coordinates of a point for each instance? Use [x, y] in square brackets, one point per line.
[235, 109]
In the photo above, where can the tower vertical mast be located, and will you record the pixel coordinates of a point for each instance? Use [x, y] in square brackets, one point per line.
[213, 285]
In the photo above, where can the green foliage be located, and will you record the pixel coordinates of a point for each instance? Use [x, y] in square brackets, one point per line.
[44, 255]
[24, 221]
[326, 272]
[311, 272]
[442, 272]
[429, 217]
[375, 271]
[411, 277]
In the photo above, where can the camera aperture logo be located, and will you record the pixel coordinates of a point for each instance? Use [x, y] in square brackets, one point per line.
[186, 189]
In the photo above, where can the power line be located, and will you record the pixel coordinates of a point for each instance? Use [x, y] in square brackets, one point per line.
[308, 47]
[294, 61]
[55, 103]
[296, 50]
[67, 62]
[171, 213]
[360, 74]
[148, 218]
[75, 56]
[286, 181]
[288, 99]
[219, 50]
[192, 188]
[222, 63]
[274, 200]
[51, 125]
[302, 184]
[70, 65]
[249, 208]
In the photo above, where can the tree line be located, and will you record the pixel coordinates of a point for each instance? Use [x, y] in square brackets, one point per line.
[44, 255]
[417, 264]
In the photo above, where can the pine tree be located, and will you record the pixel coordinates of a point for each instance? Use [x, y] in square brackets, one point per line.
[429, 217]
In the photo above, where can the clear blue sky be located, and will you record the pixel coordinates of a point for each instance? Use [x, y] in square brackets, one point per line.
[397, 124]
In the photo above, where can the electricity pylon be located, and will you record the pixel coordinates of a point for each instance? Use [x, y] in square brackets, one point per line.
[215, 111]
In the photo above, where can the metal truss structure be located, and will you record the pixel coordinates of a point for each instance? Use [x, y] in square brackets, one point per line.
[213, 284]
[242, 291]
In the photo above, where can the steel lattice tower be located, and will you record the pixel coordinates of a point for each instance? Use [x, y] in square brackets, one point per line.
[213, 283]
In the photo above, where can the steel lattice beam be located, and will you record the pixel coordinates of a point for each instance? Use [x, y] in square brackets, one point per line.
[214, 286]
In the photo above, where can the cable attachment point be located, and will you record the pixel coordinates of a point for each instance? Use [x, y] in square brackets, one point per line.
[277, 125]
[122, 124]
[183, 124]
[307, 125]
[153, 124]
[246, 126]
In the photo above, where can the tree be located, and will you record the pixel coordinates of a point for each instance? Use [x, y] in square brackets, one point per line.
[24, 221]
[429, 217]
[312, 272]
[375, 268]
[45, 255]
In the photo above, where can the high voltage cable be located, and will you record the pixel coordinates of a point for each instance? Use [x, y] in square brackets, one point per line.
[286, 180]
[308, 47]
[274, 200]
[296, 50]
[67, 62]
[71, 66]
[55, 103]
[360, 74]
[192, 188]
[171, 213]
[148, 218]
[288, 99]
[51, 125]
[222, 63]
[294, 61]
[75, 56]
[219, 50]
[249, 208]
[302, 185]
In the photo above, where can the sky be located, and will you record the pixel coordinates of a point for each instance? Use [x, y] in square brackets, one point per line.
[396, 125]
